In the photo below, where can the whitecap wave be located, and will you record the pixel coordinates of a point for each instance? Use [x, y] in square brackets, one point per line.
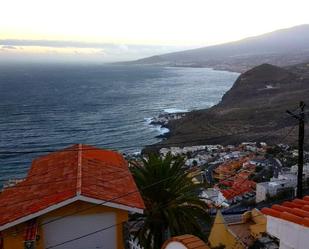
[148, 120]
[174, 110]
[161, 130]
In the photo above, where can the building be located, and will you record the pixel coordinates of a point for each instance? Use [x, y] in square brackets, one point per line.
[289, 223]
[237, 186]
[294, 170]
[275, 186]
[186, 241]
[229, 168]
[75, 198]
[237, 234]
[214, 198]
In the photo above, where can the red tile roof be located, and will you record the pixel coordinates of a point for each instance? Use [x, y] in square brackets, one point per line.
[189, 241]
[238, 187]
[296, 211]
[80, 170]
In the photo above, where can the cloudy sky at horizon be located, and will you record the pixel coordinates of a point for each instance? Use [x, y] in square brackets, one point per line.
[114, 30]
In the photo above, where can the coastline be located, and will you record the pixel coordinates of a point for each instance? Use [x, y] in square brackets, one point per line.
[222, 68]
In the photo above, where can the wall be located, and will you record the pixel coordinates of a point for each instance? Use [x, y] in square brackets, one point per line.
[291, 235]
[221, 235]
[14, 237]
[260, 192]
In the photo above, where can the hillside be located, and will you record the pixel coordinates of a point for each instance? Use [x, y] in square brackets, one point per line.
[254, 109]
[283, 47]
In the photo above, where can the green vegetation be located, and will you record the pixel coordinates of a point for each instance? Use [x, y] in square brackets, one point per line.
[172, 203]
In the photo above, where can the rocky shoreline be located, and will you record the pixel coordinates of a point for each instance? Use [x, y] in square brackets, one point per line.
[163, 120]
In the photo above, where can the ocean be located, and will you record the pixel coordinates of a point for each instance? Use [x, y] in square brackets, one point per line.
[45, 107]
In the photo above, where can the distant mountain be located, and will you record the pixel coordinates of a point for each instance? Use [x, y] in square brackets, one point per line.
[283, 47]
[254, 109]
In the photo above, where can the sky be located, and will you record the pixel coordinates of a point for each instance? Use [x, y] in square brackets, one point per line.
[115, 30]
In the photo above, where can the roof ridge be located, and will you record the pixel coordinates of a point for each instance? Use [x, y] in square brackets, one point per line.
[79, 170]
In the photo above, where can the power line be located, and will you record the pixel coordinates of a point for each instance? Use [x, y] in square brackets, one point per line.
[129, 147]
[102, 163]
[86, 149]
[109, 227]
[102, 203]
[74, 188]
[114, 225]
[108, 201]
[125, 170]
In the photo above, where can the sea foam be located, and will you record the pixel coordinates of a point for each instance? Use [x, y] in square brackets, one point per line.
[174, 110]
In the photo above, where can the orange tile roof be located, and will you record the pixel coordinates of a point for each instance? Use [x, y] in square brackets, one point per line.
[189, 241]
[238, 185]
[296, 211]
[230, 167]
[80, 170]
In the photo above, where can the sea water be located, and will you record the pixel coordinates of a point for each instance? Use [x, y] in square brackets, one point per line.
[45, 107]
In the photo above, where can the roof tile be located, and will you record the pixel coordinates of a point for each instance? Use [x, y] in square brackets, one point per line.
[296, 211]
[59, 176]
[189, 241]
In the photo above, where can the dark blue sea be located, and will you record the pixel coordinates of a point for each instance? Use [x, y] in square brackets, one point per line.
[47, 107]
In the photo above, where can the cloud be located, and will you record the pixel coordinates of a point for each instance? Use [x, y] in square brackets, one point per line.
[94, 50]
[9, 47]
[55, 43]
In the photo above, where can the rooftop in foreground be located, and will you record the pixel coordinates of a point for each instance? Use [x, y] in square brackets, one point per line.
[80, 172]
[296, 211]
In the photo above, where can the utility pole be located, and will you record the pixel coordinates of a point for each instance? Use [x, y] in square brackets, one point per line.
[301, 134]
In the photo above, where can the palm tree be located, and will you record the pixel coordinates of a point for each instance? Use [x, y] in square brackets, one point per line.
[173, 206]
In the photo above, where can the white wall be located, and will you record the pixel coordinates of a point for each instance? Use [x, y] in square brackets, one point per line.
[260, 193]
[72, 227]
[291, 235]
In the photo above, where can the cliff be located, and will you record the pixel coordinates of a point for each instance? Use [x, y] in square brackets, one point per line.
[254, 109]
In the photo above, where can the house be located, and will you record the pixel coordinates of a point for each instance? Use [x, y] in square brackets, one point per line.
[186, 241]
[289, 223]
[294, 170]
[237, 186]
[276, 185]
[214, 198]
[229, 168]
[237, 234]
[78, 197]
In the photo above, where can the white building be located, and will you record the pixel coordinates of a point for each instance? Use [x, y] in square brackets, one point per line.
[294, 170]
[289, 223]
[272, 188]
[214, 197]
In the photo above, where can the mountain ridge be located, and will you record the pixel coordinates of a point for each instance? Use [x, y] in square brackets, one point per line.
[281, 47]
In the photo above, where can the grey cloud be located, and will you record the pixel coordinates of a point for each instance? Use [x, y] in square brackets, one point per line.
[105, 51]
[75, 44]
[8, 47]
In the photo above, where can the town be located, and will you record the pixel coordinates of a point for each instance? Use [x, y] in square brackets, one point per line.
[238, 181]
[248, 173]
[248, 189]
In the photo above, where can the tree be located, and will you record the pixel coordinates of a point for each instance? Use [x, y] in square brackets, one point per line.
[173, 206]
